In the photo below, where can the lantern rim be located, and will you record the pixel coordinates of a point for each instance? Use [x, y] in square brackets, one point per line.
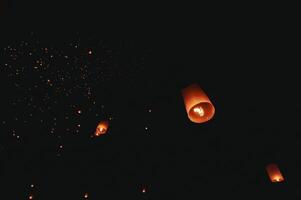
[208, 109]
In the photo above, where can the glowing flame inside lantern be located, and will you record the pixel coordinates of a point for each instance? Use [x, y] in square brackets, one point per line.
[277, 178]
[200, 111]
[100, 131]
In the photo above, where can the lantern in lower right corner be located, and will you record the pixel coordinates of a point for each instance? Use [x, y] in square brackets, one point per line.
[102, 128]
[198, 106]
[274, 173]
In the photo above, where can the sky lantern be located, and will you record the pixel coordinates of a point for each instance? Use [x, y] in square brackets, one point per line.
[198, 106]
[274, 173]
[101, 128]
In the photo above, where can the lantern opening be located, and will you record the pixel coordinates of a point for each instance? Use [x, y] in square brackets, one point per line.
[201, 112]
[100, 131]
[277, 179]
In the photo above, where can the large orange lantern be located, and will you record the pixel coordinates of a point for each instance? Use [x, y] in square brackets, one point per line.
[274, 173]
[198, 106]
[101, 128]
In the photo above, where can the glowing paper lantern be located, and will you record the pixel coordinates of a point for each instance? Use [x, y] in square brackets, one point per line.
[101, 128]
[274, 173]
[198, 106]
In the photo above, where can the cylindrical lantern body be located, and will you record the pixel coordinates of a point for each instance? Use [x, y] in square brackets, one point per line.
[274, 173]
[198, 106]
[102, 128]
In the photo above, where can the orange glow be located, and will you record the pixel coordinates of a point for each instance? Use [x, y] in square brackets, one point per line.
[101, 128]
[86, 196]
[198, 106]
[30, 197]
[274, 173]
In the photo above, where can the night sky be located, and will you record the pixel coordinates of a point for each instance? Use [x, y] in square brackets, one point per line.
[59, 82]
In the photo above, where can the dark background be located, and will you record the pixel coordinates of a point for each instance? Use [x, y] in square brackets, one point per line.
[246, 62]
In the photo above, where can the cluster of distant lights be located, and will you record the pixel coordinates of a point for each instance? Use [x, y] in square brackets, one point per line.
[42, 59]
[48, 60]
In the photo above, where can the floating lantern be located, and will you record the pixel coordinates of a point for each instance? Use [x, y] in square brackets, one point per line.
[101, 128]
[198, 106]
[274, 173]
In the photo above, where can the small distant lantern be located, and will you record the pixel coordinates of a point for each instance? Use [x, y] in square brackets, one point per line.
[274, 173]
[198, 106]
[101, 128]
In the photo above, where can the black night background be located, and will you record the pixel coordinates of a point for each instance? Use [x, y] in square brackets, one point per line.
[61, 74]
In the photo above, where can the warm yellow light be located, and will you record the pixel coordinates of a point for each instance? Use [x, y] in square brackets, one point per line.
[277, 178]
[200, 111]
